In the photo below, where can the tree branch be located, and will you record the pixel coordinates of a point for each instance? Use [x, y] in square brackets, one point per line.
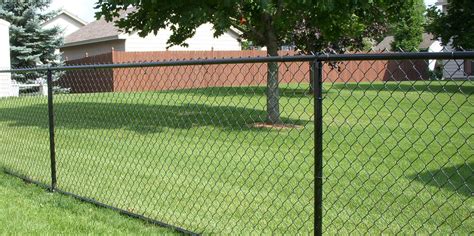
[253, 31]
[279, 8]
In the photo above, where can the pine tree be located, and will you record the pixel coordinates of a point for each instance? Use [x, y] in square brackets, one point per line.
[31, 45]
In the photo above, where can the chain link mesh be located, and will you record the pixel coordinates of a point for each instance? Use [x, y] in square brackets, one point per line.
[191, 146]
[398, 152]
[24, 131]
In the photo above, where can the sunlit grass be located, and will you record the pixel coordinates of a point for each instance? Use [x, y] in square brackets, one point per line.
[193, 158]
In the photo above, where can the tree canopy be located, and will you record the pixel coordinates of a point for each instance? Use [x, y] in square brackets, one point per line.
[408, 27]
[456, 26]
[311, 25]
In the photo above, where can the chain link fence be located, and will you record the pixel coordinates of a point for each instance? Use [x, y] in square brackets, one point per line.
[362, 143]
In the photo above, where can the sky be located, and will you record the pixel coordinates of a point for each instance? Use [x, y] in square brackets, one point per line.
[82, 8]
[85, 8]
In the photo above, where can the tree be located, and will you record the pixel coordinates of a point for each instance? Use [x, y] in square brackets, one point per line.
[456, 26]
[408, 28]
[261, 22]
[340, 26]
[312, 25]
[31, 44]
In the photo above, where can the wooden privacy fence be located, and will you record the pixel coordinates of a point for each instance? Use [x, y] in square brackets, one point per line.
[182, 77]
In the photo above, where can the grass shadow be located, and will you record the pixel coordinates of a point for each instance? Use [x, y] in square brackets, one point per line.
[462, 87]
[458, 178]
[142, 118]
[249, 91]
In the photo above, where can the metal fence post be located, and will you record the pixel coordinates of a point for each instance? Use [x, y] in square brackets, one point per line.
[317, 84]
[52, 147]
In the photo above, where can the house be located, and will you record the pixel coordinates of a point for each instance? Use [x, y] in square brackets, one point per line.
[5, 78]
[454, 68]
[101, 37]
[451, 69]
[66, 21]
[427, 44]
[443, 5]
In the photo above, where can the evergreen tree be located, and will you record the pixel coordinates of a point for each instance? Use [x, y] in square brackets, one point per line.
[31, 45]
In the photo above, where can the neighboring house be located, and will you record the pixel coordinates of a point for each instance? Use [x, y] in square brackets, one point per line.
[101, 37]
[443, 5]
[5, 78]
[452, 69]
[457, 69]
[66, 21]
[427, 44]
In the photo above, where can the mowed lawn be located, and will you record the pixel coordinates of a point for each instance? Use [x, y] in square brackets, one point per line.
[397, 156]
[28, 209]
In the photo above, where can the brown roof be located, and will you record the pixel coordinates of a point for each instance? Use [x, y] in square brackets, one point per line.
[96, 31]
[99, 29]
[386, 43]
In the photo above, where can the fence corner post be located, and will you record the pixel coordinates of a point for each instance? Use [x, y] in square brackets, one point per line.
[317, 86]
[52, 147]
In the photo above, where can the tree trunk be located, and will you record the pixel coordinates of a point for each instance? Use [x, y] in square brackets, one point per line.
[273, 92]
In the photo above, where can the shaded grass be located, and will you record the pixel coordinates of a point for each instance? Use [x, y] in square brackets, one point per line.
[192, 157]
[457, 178]
[28, 209]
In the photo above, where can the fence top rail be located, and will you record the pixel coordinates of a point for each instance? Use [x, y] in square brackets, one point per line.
[300, 58]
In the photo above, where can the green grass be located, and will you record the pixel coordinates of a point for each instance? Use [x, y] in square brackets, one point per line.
[193, 158]
[28, 209]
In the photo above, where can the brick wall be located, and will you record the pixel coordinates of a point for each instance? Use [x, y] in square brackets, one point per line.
[198, 76]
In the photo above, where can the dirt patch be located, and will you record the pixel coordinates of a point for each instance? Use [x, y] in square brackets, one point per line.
[275, 126]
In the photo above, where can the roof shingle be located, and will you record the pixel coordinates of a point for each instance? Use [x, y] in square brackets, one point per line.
[94, 30]
[386, 43]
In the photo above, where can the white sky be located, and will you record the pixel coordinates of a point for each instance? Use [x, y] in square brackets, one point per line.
[85, 8]
[82, 8]
[430, 2]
